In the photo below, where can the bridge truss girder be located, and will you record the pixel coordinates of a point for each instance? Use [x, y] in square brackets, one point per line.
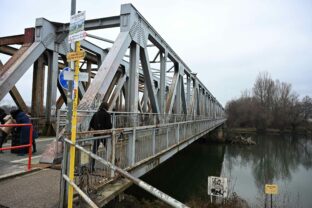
[124, 75]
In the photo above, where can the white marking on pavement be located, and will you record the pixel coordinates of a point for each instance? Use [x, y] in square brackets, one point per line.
[24, 159]
[37, 141]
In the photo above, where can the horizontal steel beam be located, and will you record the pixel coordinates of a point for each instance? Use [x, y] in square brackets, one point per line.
[10, 40]
[27, 37]
[93, 24]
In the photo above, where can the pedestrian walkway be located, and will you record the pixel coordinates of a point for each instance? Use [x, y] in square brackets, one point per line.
[34, 190]
[19, 188]
[10, 163]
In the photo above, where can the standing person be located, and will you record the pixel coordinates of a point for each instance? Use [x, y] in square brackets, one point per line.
[100, 120]
[23, 132]
[3, 134]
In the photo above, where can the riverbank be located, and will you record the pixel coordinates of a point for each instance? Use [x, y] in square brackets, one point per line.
[301, 131]
[129, 201]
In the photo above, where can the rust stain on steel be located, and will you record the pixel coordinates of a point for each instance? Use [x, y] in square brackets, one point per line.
[27, 37]
[10, 40]
[7, 50]
[14, 58]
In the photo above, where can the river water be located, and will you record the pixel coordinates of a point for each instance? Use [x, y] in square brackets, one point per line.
[282, 160]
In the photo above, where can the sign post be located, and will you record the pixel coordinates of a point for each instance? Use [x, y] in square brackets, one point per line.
[217, 186]
[271, 189]
[76, 34]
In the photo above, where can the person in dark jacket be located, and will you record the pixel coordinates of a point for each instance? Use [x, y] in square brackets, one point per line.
[3, 135]
[22, 133]
[100, 120]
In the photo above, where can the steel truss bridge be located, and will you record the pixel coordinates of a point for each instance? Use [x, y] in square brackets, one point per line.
[157, 103]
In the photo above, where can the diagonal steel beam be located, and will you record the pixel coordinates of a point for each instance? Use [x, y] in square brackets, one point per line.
[8, 50]
[148, 77]
[111, 86]
[18, 99]
[172, 92]
[116, 92]
[98, 88]
[16, 96]
[18, 64]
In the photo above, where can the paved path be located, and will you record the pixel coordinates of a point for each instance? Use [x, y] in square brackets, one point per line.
[12, 163]
[39, 189]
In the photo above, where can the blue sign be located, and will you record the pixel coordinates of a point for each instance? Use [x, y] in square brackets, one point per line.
[62, 81]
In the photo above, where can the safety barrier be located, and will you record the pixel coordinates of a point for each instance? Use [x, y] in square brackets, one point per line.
[129, 144]
[24, 145]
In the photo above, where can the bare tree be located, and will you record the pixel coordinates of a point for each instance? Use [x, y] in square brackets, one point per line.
[272, 104]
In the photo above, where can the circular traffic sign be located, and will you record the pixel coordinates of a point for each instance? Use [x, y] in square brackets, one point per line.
[62, 81]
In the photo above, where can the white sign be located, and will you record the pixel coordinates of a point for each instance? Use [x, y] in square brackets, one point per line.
[76, 27]
[82, 76]
[217, 186]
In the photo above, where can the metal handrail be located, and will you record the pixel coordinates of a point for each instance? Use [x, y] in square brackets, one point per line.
[22, 146]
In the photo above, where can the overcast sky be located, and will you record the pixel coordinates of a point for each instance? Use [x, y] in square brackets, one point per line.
[226, 42]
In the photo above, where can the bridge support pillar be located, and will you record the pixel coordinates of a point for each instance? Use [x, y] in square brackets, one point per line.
[216, 135]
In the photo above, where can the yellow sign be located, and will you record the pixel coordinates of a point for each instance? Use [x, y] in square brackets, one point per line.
[75, 56]
[271, 189]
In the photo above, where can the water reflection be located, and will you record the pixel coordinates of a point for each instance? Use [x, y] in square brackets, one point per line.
[275, 159]
[184, 176]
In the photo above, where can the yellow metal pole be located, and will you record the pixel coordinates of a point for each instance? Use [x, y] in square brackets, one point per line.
[73, 131]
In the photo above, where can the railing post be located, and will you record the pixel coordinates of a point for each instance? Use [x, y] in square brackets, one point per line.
[185, 126]
[154, 117]
[178, 133]
[63, 191]
[113, 151]
[167, 137]
[114, 120]
[30, 147]
[131, 147]
[154, 140]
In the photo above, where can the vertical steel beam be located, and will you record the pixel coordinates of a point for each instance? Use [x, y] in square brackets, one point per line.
[188, 93]
[134, 77]
[162, 83]
[89, 73]
[52, 84]
[38, 88]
